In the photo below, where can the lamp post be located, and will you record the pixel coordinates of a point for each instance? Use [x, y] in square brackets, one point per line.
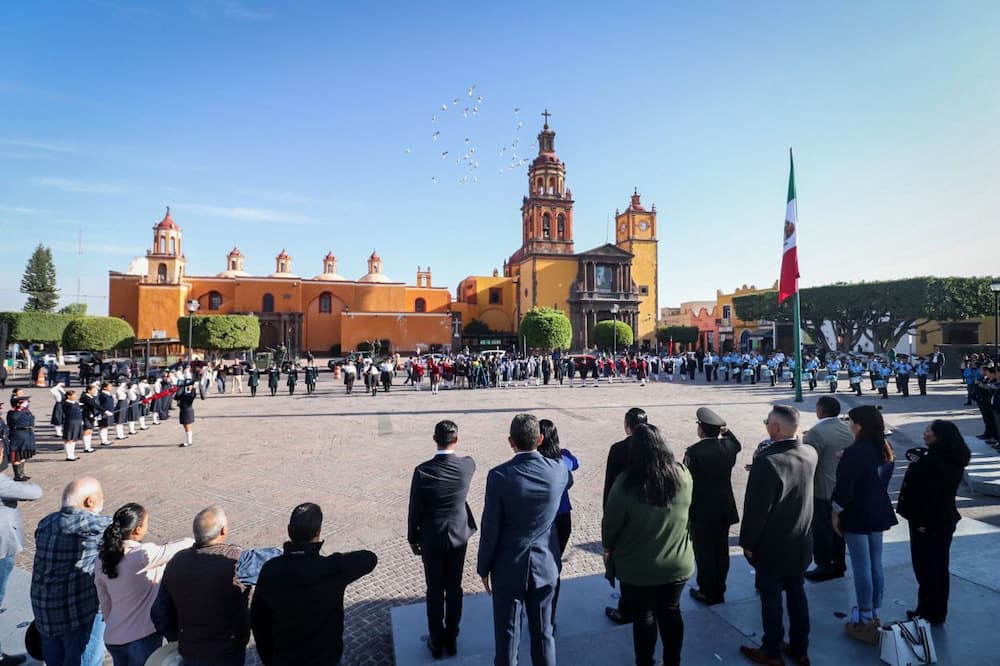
[192, 307]
[614, 331]
[995, 288]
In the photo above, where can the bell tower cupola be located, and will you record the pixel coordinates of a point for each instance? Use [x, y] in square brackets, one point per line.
[547, 211]
[166, 259]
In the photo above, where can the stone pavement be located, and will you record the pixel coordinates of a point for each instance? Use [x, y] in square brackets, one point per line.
[354, 456]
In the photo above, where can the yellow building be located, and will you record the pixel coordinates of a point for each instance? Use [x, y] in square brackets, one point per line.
[611, 281]
[967, 332]
[734, 333]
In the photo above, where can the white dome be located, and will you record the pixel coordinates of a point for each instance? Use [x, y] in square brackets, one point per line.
[233, 274]
[375, 277]
[284, 275]
[331, 277]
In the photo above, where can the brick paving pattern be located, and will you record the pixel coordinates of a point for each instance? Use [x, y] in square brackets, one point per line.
[354, 455]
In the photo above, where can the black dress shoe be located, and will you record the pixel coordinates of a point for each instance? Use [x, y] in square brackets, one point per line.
[435, 649]
[698, 595]
[616, 616]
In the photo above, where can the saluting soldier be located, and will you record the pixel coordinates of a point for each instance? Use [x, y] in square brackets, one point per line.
[713, 506]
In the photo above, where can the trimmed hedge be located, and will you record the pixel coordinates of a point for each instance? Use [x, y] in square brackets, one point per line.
[604, 333]
[30, 327]
[545, 328]
[221, 331]
[98, 334]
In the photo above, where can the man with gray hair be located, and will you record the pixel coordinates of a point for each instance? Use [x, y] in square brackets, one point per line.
[63, 595]
[201, 604]
[518, 548]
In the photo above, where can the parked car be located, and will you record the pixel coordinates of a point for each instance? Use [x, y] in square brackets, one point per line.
[16, 362]
[45, 359]
[82, 356]
[71, 358]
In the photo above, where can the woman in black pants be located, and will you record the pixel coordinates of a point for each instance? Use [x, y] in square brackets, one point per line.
[927, 501]
[563, 523]
[646, 544]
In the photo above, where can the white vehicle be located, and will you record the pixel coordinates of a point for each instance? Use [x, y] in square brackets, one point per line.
[71, 358]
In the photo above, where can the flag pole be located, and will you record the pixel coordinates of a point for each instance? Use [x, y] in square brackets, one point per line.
[796, 312]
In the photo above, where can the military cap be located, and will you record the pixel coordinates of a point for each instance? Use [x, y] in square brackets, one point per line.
[707, 417]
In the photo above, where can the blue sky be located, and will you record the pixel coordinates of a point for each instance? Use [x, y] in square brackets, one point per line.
[286, 125]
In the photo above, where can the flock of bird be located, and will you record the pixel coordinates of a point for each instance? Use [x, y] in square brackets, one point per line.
[453, 137]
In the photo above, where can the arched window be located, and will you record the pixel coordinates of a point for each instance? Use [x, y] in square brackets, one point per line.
[540, 185]
[173, 246]
[546, 226]
[420, 305]
[214, 300]
[552, 185]
[232, 265]
[163, 244]
[268, 304]
[561, 227]
[161, 273]
[325, 303]
[281, 267]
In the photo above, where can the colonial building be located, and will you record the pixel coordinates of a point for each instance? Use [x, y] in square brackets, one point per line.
[613, 281]
[306, 314]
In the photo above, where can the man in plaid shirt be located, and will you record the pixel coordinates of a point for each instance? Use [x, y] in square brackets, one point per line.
[63, 595]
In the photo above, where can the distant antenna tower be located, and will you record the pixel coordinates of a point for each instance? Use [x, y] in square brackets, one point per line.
[607, 230]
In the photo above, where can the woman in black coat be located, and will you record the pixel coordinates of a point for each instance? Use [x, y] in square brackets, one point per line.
[927, 501]
[21, 435]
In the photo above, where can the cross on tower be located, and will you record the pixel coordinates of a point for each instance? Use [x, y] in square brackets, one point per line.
[546, 114]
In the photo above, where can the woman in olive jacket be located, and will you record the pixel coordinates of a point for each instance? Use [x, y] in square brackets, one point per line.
[927, 501]
[646, 544]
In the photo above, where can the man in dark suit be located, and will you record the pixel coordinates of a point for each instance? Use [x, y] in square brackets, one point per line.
[713, 507]
[518, 547]
[617, 462]
[775, 536]
[439, 526]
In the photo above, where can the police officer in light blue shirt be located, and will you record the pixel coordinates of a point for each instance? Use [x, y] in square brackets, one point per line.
[884, 375]
[874, 370]
[811, 366]
[903, 372]
[922, 370]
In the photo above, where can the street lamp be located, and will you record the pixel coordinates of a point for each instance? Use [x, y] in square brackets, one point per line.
[192, 307]
[614, 333]
[995, 288]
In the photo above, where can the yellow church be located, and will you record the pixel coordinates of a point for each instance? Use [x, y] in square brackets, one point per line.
[546, 271]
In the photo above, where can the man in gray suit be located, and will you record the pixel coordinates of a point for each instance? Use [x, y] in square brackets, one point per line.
[11, 533]
[518, 547]
[830, 436]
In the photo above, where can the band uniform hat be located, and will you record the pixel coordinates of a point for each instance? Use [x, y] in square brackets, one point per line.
[708, 417]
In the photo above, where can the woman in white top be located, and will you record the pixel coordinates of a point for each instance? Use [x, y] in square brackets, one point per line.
[128, 577]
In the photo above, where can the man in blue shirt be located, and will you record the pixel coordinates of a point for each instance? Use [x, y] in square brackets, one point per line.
[923, 369]
[63, 595]
[854, 371]
[903, 372]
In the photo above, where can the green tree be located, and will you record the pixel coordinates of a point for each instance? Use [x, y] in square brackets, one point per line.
[75, 309]
[545, 328]
[32, 327]
[687, 335]
[39, 281]
[606, 332]
[223, 332]
[476, 327]
[98, 334]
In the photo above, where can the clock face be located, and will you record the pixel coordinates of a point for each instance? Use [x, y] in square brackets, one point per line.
[643, 225]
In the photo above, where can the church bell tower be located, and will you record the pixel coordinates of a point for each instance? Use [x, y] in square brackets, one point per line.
[547, 211]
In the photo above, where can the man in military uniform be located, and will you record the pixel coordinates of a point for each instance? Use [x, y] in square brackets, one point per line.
[713, 507]
[273, 375]
[311, 375]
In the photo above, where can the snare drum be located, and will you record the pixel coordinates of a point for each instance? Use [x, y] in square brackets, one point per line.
[765, 372]
[880, 383]
[855, 380]
[832, 378]
[748, 372]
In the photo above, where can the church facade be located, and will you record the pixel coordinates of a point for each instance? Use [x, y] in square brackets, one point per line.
[613, 281]
[305, 314]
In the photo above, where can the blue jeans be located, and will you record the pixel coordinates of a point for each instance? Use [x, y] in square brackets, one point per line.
[80, 647]
[866, 565]
[137, 652]
[6, 566]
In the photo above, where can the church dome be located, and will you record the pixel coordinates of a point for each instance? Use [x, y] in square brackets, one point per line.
[233, 274]
[331, 277]
[167, 222]
[375, 278]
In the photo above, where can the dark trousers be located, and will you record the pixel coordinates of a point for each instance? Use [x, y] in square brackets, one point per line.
[930, 555]
[989, 418]
[564, 527]
[655, 608]
[771, 588]
[711, 555]
[936, 371]
[922, 384]
[508, 605]
[443, 573]
[904, 385]
[828, 546]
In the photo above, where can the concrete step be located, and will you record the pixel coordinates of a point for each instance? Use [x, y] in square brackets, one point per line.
[983, 473]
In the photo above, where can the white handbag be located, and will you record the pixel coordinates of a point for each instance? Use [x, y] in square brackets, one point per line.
[907, 643]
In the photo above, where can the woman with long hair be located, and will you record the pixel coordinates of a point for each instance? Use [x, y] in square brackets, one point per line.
[927, 501]
[646, 543]
[862, 512]
[127, 577]
[563, 523]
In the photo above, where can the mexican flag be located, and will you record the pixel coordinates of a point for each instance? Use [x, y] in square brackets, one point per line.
[789, 283]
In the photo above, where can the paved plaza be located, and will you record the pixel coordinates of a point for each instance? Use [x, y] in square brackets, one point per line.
[354, 455]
